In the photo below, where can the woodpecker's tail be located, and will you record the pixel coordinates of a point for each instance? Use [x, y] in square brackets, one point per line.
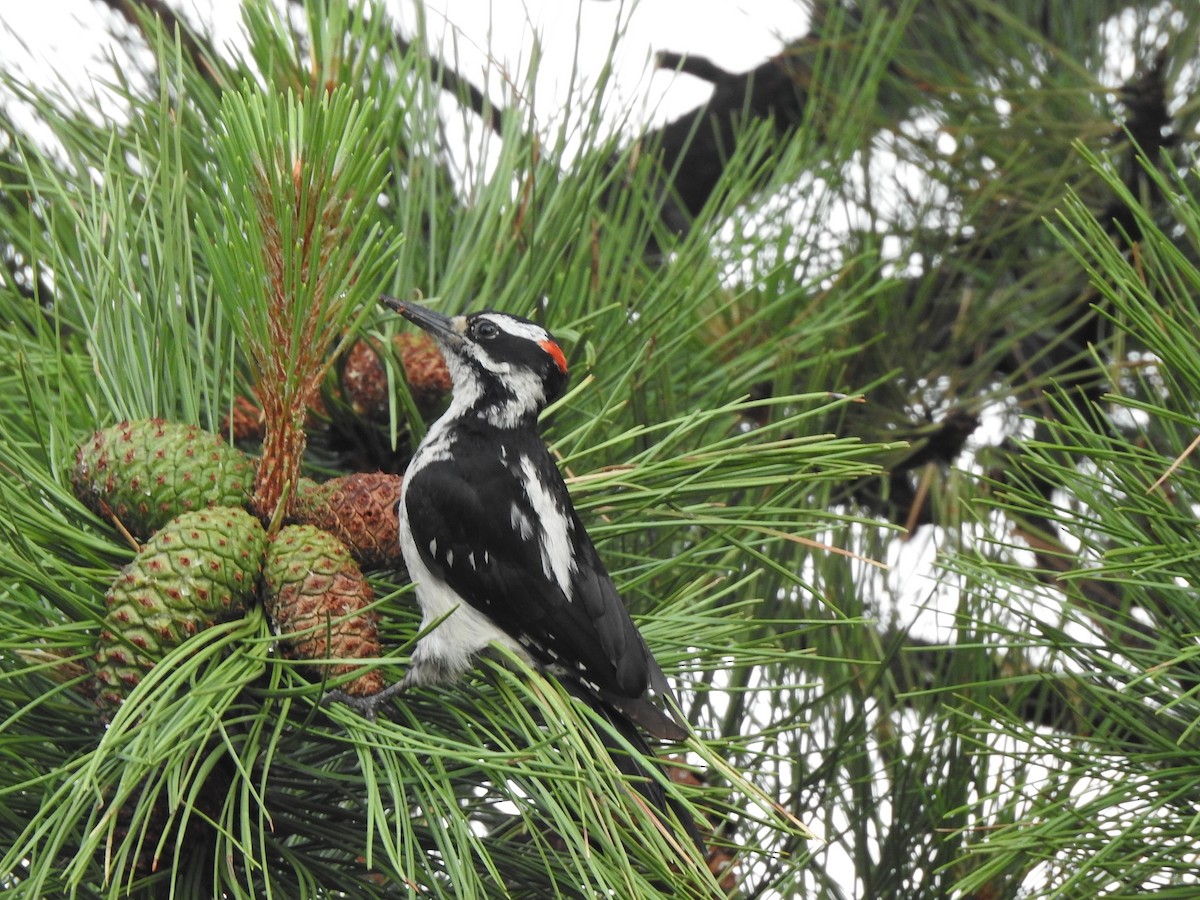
[632, 766]
[666, 726]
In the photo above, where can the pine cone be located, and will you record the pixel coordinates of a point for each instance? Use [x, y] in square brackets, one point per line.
[424, 367]
[317, 596]
[364, 379]
[198, 569]
[146, 473]
[246, 421]
[360, 510]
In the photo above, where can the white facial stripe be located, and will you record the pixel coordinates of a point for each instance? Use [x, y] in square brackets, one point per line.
[528, 396]
[554, 536]
[527, 392]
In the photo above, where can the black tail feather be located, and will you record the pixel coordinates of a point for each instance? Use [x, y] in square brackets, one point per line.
[643, 713]
[631, 766]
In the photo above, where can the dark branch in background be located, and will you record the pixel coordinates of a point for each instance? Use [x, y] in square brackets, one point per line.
[198, 51]
[1150, 126]
[697, 66]
[902, 494]
[450, 81]
[694, 148]
[204, 58]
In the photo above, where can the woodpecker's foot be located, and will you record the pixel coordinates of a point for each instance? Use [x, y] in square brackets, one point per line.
[367, 706]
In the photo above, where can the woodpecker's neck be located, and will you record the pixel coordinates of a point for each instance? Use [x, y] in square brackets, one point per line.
[511, 400]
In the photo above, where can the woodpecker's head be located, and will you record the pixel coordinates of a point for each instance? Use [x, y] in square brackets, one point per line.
[504, 367]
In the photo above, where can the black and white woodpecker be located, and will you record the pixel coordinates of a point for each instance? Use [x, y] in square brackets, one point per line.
[494, 546]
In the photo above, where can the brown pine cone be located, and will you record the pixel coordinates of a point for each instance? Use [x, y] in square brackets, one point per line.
[360, 510]
[364, 379]
[318, 599]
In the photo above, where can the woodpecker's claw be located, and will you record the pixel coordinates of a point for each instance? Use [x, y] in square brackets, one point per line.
[368, 706]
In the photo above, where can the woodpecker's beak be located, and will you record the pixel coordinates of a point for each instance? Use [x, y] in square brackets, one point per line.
[426, 319]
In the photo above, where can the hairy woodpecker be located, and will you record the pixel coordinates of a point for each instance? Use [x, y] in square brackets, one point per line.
[493, 545]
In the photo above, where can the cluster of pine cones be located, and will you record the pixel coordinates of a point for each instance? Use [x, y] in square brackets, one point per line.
[182, 494]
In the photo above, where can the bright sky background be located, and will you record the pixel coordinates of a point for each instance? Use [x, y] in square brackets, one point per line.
[66, 37]
[735, 35]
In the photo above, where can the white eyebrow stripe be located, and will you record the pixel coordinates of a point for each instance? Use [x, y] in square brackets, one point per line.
[526, 330]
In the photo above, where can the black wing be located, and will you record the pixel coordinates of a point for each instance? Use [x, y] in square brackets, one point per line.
[570, 619]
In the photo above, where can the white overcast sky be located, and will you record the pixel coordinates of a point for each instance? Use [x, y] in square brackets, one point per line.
[66, 37]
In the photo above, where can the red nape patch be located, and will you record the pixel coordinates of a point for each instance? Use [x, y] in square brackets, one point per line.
[556, 354]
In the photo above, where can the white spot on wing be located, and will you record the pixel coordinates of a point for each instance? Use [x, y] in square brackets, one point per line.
[521, 522]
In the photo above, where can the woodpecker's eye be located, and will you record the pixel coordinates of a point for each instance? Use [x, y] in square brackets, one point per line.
[485, 330]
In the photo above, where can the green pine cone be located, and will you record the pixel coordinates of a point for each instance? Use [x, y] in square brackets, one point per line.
[198, 569]
[147, 472]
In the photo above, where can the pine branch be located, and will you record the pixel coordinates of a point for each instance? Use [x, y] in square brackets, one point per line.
[140, 12]
[708, 437]
[449, 80]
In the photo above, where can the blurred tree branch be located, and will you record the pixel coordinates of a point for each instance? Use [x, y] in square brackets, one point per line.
[140, 12]
[204, 57]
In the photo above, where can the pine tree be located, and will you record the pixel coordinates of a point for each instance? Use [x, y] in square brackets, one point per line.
[765, 409]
